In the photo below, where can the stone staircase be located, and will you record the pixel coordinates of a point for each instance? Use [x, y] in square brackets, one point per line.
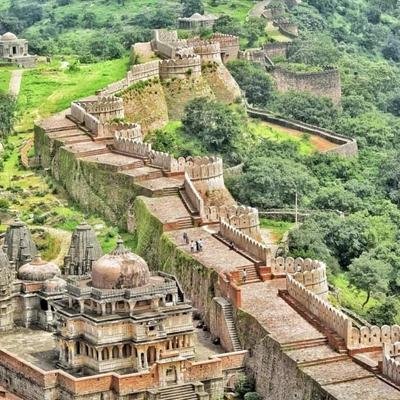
[179, 392]
[183, 223]
[333, 338]
[187, 202]
[251, 274]
[230, 323]
[304, 344]
[169, 191]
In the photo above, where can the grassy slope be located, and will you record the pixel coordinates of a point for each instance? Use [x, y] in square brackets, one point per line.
[50, 89]
[5, 75]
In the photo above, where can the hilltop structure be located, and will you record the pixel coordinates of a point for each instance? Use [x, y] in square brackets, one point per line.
[197, 21]
[15, 51]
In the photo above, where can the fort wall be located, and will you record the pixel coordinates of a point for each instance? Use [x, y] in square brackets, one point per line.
[277, 49]
[181, 68]
[326, 83]
[329, 315]
[193, 195]
[246, 243]
[374, 336]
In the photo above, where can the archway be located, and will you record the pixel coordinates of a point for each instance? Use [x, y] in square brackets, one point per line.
[151, 355]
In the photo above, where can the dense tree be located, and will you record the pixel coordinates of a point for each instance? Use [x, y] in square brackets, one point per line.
[226, 24]
[7, 113]
[257, 85]
[192, 6]
[218, 126]
[369, 274]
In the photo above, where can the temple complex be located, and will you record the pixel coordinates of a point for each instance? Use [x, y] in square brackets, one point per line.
[197, 21]
[15, 51]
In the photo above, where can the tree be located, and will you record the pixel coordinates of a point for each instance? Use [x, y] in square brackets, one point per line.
[385, 313]
[369, 274]
[254, 81]
[391, 51]
[191, 7]
[217, 125]
[8, 107]
[254, 28]
[226, 24]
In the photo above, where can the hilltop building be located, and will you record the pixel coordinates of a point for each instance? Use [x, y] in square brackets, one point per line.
[197, 21]
[15, 51]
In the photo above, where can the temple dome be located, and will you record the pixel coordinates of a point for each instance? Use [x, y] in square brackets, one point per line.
[55, 285]
[38, 270]
[8, 36]
[120, 269]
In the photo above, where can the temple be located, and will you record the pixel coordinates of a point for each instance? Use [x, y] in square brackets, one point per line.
[15, 51]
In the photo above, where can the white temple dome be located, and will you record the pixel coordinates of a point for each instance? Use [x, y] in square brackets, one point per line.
[120, 269]
[8, 36]
[38, 270]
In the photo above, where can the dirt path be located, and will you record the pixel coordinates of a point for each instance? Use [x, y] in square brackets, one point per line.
[15, 82]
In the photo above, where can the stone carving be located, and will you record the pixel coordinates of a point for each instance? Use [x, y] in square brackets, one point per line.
[6, 284]
[83, 251]
[18, 244]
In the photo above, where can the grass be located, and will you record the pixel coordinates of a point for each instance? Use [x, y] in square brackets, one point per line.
[5, 76]
[237, 9]
[49, 89]
[262, 129]
[350, 297]
[276, 228]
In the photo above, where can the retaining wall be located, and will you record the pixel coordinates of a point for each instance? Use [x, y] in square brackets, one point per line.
[346, 146]
[325, 83]
[181, 68]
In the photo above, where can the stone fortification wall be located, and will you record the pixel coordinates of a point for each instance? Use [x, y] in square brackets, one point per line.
[245, 243]
[123, 130]
[229, 45]
[79, 113]
[310, 273]
[193, 195]
[208, 52]
[374, 336]
[277, 49]
[137, 73]
[105, 108]
[206, 173]
[328, 314]
[288, 29]
[326, 83]
[391, 362]
[246, 219]
[181, 68]
[167, 44]
[346, 146]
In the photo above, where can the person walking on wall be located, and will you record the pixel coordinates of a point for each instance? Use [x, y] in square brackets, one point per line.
[185, 237]
[192, 246]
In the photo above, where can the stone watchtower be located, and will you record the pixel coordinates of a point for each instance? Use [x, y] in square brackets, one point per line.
[18, 244]
[83, 251]
[6, 282]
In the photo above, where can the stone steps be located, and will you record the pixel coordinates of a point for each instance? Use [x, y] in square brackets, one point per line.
[133, 165]
[304, 344]
[183, 223]
[252, 274]
[230, 323]
[180, 392]
[170, 191]
[339, 357]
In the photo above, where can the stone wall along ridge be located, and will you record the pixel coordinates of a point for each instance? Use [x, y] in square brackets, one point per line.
[245, 243]
[246, 219]
[325, 83]
[181, 68]
[124, 130]
[374, 336]
[310, 273]
[328, 314]
[390, 362]
[193, 195]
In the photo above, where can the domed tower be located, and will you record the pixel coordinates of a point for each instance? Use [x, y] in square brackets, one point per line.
[6, 282]
[18, 244]
[83, 251]
[120, 269]
[123, 318]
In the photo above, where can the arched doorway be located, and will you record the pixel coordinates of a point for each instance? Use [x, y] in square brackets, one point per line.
[170, 375]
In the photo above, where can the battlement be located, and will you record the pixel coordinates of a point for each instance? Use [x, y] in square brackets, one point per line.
[209, 52]
[145, 71]
[246, 243]
[105, 107]
[327, 313]
[246, 219]
[181, 68]
[225, 39]
[374, 336]
[125, 131]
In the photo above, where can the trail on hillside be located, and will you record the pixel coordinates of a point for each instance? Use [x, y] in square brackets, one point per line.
[15, 82]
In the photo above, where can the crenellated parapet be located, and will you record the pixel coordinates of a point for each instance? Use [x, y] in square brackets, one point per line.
[208, 51]
[207, 173]
[246, 219]
[126, 131]
[229, 44]
[391, 362]
[254, 248]
[181, 68]
[105, 108]
[332, 318]
[374, 336]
